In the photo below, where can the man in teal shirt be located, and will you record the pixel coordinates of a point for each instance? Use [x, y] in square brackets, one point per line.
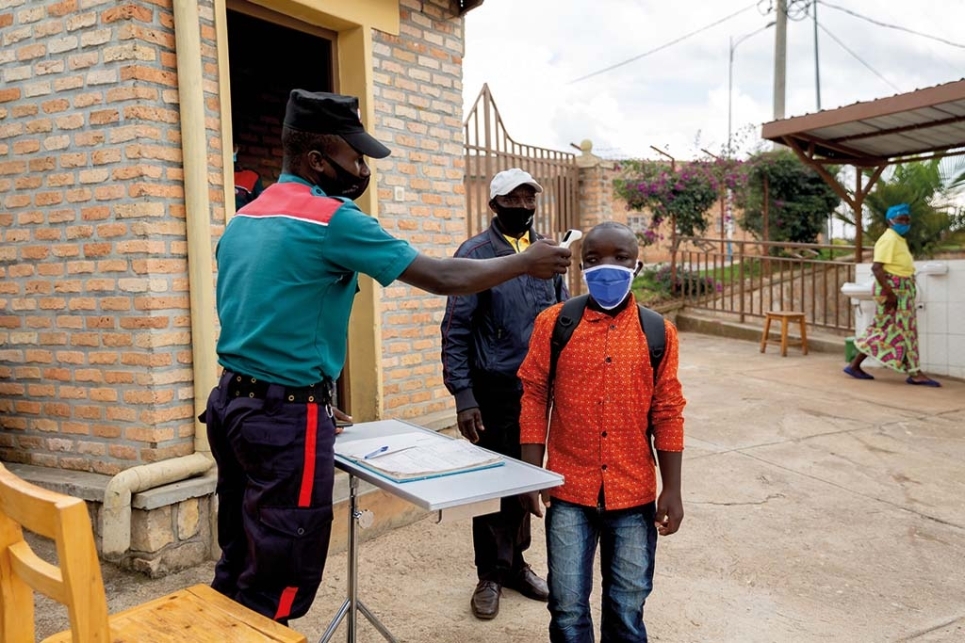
[288, 266]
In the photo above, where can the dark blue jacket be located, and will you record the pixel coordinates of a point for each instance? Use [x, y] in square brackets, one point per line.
[486, 336]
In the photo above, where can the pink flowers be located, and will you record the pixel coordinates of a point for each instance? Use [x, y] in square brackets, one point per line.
[684, 194]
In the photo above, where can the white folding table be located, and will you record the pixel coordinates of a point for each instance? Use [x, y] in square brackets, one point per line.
[471, 493]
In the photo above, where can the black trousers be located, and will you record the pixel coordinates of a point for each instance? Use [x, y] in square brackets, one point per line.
[275, 471]
[499, 539]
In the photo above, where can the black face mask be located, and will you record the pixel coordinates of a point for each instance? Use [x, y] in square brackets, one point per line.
[515, 220]
[344, 184]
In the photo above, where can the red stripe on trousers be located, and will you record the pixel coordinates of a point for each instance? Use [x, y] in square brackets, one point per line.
[308, 469]
[285, 603]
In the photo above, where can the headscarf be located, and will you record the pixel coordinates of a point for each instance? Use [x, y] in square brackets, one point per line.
[897, 210]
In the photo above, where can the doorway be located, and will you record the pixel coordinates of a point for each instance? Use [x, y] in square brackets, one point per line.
[269, 55]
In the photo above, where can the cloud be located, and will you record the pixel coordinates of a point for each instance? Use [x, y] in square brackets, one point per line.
[530, 52]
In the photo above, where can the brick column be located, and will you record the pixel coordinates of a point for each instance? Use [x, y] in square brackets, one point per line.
[95, 373]
[418, 94]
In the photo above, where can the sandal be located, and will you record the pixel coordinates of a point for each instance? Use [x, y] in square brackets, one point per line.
[925, 382]
[858, 375]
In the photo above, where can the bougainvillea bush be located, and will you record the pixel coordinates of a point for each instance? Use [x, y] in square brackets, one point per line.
[799, 200]
[683, 193]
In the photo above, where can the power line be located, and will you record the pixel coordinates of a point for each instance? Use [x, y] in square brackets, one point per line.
[890, 26]
[859, 58]
[794, 9]
[663, 46]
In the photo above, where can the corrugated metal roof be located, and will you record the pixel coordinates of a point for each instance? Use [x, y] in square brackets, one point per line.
[886, 130]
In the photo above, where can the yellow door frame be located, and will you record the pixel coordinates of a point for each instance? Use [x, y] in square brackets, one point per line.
[352, 21]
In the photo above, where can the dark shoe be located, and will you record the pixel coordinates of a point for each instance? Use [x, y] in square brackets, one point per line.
[485, 600]
[924, 382]
[858, 374]
[530, 585]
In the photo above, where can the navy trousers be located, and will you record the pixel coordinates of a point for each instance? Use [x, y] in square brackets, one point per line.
[499, 539]
[275, 470]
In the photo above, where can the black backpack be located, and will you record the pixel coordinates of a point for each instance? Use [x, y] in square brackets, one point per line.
[570, 316]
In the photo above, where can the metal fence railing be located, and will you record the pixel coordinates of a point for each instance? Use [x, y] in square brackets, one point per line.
[750, 278]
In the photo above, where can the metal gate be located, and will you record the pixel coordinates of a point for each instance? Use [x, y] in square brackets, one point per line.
[490, 149]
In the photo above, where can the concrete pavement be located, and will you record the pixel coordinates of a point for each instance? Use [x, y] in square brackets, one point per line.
[819, 508]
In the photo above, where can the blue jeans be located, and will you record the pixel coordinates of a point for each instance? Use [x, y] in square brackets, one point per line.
[628, 541]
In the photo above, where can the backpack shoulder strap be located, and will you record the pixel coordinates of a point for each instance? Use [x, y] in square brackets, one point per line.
[570, 315]
[656, 332]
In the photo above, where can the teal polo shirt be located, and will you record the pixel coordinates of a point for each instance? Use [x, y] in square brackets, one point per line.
[288, 265]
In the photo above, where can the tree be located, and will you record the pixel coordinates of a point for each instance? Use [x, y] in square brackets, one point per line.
[683, 194]
[800, 201]
[929, 188]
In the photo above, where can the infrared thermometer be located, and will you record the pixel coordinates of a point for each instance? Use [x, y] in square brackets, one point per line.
[570, 237]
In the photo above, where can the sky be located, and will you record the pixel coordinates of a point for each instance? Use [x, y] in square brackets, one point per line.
[530, 52]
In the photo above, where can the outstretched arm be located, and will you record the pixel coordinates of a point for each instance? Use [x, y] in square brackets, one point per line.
[456, 276]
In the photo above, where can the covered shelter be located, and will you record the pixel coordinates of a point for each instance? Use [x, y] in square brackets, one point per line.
[872, 135]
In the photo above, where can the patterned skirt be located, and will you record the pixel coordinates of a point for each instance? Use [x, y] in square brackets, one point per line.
[892, 337]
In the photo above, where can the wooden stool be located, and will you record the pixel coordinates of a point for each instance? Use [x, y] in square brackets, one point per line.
[786, 318]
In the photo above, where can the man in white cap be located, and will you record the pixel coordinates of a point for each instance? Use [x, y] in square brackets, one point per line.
[484, 339]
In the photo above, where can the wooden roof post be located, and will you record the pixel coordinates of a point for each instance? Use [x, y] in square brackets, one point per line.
[858, 226]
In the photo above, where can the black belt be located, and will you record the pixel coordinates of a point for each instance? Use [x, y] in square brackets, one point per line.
[247, 386]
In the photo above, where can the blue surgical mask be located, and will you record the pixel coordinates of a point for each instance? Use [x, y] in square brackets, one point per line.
[901, 228]
[609, 285]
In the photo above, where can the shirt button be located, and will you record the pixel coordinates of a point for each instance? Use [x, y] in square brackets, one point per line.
[609, 359]
[604, 467]
[603, 434]
[613, 326]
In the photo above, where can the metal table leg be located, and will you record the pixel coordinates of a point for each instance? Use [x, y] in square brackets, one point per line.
[352, 605]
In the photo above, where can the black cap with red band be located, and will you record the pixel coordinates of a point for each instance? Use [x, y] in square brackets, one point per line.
[326, 113]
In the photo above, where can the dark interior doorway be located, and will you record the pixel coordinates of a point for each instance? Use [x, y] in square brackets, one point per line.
[267, 61]
[269, 55]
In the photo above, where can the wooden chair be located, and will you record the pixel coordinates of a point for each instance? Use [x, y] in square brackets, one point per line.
[198, 614]
[786, 317]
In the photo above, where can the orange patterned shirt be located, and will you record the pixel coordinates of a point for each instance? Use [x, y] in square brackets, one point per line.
[604, 384]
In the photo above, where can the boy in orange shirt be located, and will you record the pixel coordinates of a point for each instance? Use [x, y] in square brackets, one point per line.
[603, 392]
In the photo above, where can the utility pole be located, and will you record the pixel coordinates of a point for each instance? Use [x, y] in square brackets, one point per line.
[780, 59]
[730, 96]
[817, 64]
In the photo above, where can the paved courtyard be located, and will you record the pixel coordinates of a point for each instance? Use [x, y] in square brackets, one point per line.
[819, 508]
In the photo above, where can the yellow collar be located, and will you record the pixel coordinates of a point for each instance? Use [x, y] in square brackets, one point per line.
[519, 245]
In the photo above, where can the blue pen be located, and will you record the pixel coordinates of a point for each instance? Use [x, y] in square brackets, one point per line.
[375, 453]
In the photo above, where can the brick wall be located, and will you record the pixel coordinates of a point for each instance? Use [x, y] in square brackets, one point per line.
[418, 94]
[258, 136]
[95, 343]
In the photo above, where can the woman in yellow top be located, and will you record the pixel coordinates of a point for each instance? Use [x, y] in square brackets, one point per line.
[892, 337]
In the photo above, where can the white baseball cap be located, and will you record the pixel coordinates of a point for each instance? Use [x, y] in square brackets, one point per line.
[508, 180]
